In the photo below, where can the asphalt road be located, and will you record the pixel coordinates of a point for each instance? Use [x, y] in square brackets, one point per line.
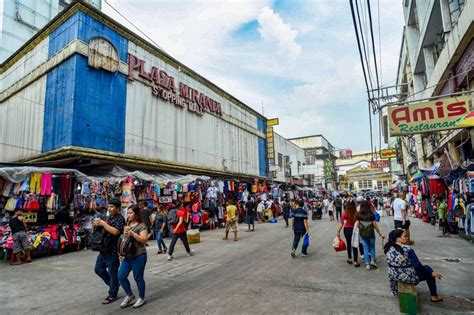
[253, 275]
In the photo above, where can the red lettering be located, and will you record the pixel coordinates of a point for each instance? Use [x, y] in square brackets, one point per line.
[196, 97]
[422, 113]
[202, 101]
[184, 90]
[163, 79]
[440, 109]
[457, 109]
[155, 75]
[405, 115]
[142, 72]
[171, 84]
[133, 63]
[219, 109]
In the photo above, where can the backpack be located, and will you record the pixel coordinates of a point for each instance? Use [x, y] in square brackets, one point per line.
[366, 229]
[97, 240]
[126, 246]
[172, 217]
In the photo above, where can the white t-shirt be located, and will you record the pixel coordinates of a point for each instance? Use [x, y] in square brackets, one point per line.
[398, 206]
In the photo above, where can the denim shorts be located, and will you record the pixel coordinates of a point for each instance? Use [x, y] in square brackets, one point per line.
[20, 242]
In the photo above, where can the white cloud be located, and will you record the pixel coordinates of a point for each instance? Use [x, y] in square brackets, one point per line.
[272, 28]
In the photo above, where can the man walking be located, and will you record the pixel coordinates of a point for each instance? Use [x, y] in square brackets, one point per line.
[231, 222]
[338, 205]
[400, 215]
[179, 231]
[107, 263]
[300, 228]
[286, 207]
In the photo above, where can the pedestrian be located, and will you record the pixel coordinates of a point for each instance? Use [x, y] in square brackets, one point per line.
[286, 207]
[231, 222]
[338, 206]
[160, 222]
[331, 209]
[443, 217]
[260, 210]
[250, 214]
[220, 215]
[107, 263]
[145, 213]
[400, 215]
[404, 265]
[138, 232]
[171, 218]
[326, 205]
[348, 219]
[21, 243]
[367, 227]
[179, 231]
[212, 216]
[300, 229]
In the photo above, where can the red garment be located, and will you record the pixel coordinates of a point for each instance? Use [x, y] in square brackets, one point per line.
[348, 223]
[182, 213]
[65, 190]
[437, 186]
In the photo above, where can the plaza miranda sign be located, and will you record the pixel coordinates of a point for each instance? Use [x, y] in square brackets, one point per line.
[442, 114]
[165, 87]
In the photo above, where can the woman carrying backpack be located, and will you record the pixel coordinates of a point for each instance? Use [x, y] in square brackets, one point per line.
[133, 257]
[367, 227]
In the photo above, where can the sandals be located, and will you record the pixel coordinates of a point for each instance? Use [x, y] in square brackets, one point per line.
[439, 299]
[356, 265]
[349, 261]
[109, 300]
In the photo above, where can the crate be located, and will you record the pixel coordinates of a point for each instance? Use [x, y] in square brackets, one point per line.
[408, 298]
[194, 236]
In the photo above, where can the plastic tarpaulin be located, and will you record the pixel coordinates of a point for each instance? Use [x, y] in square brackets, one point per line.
[20, 173]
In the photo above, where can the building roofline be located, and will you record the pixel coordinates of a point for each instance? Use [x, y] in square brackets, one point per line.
[81, 5]
[312, 136]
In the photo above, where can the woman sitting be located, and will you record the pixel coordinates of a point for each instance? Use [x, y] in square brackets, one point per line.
[404, 266]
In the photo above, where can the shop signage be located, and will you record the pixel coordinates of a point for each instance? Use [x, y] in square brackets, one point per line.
[388, 153]
[273, 122]
[270, 144]
[345, 154]
[442, 114]
[167, 191]
[379, 164]
[166, 88]
[165, 199]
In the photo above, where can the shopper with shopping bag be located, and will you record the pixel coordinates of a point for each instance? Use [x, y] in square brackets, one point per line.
[348, 219]
[300, 229]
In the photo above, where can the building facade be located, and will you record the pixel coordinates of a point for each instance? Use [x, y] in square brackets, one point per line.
[289, 162]
[21, 19]
[359, 172]
[320, 160]
[436, 59]
[85, 86]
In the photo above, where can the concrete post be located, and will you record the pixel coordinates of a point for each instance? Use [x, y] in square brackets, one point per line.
[429, 61]
[445, 16]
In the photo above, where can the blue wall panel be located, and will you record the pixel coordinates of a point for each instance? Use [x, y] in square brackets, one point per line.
[95, 99]
[261, 124]
[59, 101]
[99, 108]
[262, 157]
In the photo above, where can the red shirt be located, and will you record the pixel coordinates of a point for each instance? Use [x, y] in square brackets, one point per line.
[348, 223]
[182, 228]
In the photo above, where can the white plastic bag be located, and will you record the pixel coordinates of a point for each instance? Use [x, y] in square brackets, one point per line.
[355, 237]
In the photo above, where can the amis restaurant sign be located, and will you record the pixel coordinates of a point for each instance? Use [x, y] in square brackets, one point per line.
[166, 88]
[442, 114]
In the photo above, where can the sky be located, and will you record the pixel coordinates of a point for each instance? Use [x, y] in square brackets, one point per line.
[296, 59]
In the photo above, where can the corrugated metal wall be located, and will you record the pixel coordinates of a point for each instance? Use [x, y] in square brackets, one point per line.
[21, 123]
[159, 129]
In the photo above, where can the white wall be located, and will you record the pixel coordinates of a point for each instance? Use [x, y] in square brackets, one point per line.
[287, 148]
[161, 130]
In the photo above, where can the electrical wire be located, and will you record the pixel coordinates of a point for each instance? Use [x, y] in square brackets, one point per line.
[369, 72]
[128, 133]
[126, 19]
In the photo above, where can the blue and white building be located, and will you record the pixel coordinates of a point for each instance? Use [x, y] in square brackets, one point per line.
[86, 87]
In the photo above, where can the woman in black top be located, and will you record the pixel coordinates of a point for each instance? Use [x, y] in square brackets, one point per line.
[21, 243]
[160, 219]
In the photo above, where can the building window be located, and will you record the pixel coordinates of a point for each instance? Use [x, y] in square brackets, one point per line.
[280, 160]
[365, 184]
[455, 8]
[379, 185]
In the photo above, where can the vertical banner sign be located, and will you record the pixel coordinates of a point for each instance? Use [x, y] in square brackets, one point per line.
[270, 144]
[442, 114]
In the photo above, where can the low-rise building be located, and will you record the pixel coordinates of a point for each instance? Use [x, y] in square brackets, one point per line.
[289, 162]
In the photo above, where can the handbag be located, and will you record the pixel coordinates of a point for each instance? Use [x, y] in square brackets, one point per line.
[355, 238]
[339, 244]
[306, 240]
